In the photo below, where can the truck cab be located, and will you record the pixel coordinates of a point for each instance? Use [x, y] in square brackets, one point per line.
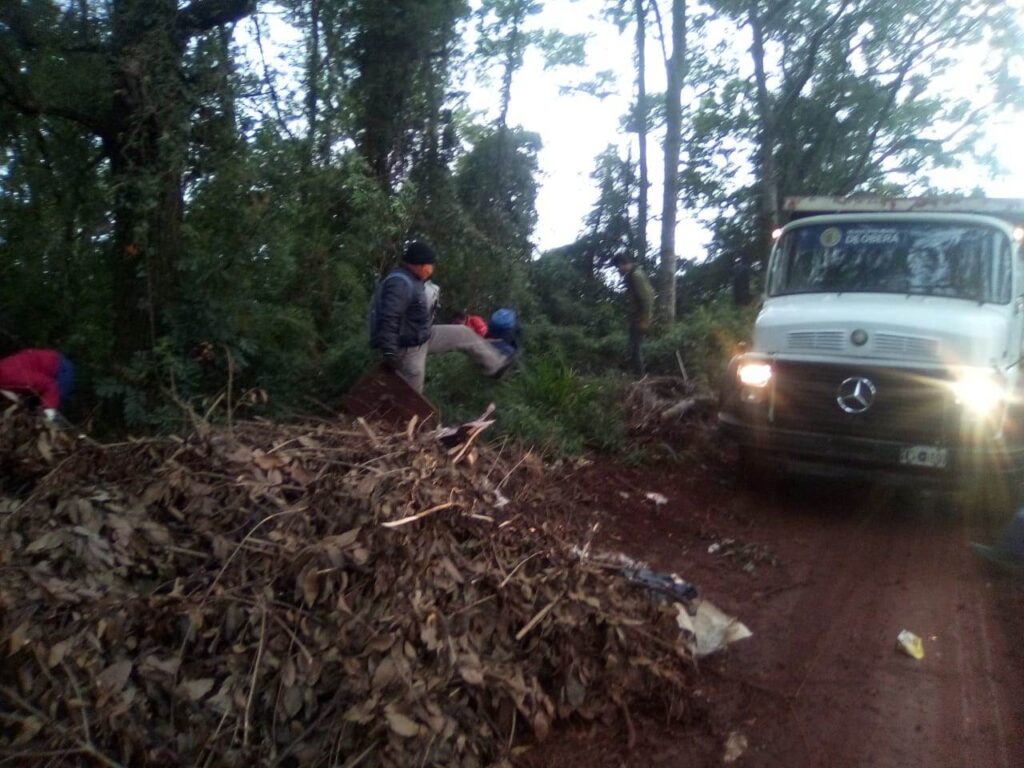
[889, 343]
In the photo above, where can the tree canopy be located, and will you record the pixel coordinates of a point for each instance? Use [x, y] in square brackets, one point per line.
[165, 191]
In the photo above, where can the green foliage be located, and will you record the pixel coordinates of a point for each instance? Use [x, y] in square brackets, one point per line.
[846, 97]
[546, 405]
[176, 216]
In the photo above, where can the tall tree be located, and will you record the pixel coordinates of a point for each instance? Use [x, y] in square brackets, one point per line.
[115, 71]
[504, 37]
[675, 70]
[844, 92]
[642, 119]
[396, 50]
[611, 230]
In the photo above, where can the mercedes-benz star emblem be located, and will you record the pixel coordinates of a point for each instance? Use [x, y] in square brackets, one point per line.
[856, 394]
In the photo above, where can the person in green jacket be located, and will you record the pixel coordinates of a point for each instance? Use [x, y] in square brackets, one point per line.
[641, 308]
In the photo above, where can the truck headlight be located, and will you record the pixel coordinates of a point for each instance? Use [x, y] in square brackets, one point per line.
[755, 375]
[979, 392]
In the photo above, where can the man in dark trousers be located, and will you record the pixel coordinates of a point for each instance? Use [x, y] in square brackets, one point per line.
[641, 308]
[400, 323]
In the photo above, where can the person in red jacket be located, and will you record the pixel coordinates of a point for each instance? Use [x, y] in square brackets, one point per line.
[44, 373]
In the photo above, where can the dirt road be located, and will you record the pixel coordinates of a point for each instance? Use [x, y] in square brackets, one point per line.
[826, 577]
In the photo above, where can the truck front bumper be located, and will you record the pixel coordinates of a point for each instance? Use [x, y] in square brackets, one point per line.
[826, 455]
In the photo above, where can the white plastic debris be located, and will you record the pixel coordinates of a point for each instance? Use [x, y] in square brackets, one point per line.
[657, 498]
[705, 628]
[709, 629]
[735, 746]
[714, 548]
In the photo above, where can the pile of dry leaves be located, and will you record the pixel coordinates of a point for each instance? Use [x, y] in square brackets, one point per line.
[317, 594]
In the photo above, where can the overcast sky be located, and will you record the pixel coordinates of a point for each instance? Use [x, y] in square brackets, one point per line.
[575, 128]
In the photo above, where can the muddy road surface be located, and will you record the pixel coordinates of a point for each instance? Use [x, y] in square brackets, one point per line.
[826, 576]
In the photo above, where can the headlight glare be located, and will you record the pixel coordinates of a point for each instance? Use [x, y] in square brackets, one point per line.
[755, 374]
[979, 392]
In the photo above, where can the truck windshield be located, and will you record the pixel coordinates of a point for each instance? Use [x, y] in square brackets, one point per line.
[927, 258]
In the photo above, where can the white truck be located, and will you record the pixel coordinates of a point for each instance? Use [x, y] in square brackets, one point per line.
[889, 343]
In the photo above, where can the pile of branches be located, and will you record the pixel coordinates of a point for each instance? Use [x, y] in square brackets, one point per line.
[660, 403]
[316, 594]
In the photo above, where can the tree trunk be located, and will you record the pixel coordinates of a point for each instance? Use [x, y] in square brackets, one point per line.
[147, 153]
[676, 71]
[144, 132]
[769, 215]
[641, 128]
[312, 84]
[512, 57]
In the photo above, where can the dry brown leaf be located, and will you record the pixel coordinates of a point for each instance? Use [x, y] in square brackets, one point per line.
[113, 678]
[292, 700]
[57, 653]
[45, 543]
[267, 463]
[310, 585]
[288, 673]
[30, 726]
[402, 725]
[194, 690]
[18, 638]
[541, 726]
[470, 669]
[167, 666]
[43, 446]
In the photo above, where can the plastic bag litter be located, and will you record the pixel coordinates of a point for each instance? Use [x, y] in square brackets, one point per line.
[708, 628]
[735, 746]
[910, 644]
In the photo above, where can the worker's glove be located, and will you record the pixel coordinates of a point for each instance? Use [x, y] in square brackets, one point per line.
[50, 414]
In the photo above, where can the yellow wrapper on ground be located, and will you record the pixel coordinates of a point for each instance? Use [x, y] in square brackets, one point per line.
[910, 644]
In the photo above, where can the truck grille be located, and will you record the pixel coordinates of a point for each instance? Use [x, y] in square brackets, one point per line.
[909, 406]
[902, 347]
[825, 341]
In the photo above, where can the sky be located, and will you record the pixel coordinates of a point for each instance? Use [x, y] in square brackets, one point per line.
[575, 128]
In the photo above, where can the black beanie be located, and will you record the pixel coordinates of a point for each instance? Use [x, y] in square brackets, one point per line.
[418, 252]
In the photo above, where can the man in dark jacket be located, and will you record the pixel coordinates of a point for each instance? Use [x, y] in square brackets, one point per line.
[400, 323]
[641, 308]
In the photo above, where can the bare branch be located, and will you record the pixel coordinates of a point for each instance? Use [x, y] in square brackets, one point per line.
[811, 57]
[203, 15]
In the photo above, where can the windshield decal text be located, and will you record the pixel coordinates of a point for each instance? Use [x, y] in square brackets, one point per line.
[872, 237]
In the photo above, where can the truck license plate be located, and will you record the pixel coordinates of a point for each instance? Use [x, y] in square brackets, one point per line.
[924, 456]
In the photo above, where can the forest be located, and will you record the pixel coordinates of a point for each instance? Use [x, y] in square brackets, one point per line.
[194, 226]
